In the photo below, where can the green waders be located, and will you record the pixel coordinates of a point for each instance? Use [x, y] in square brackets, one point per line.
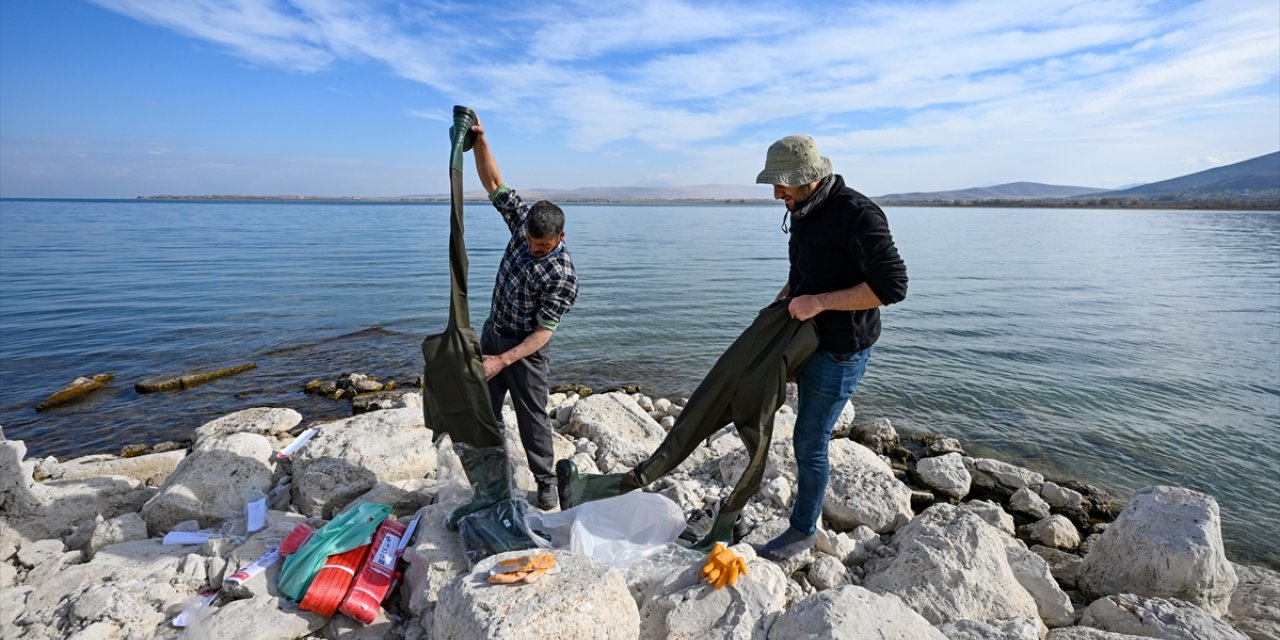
[746, 386]
[455, 393]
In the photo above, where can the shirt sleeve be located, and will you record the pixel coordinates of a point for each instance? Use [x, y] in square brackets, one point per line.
[886, 273]
[557, 299]
[510, 205]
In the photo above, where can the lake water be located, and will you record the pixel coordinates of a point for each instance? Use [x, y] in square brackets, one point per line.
[1121, 348]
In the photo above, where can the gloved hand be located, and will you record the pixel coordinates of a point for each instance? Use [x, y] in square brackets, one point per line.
[723, 567]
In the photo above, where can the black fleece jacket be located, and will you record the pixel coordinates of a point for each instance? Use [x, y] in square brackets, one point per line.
[843, 242]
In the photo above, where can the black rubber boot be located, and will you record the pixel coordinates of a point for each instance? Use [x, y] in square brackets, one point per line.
[576, 488]
[490, 478]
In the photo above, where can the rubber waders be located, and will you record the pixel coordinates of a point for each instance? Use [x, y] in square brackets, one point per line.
[746, 386]
[490, 476]
[455, 393]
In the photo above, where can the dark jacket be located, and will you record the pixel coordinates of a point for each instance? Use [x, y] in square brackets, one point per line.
[841, 243]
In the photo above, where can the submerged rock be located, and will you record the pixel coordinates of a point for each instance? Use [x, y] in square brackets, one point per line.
[76, 390]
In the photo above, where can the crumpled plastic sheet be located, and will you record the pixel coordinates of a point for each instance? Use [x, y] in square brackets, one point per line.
[618, 531]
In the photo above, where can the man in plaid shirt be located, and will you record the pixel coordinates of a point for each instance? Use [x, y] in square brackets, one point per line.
[536, 285]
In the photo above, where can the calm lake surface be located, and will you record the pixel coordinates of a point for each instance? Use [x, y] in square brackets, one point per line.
[1121, 348]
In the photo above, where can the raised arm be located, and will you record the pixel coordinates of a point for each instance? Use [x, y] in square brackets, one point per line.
[486, 166]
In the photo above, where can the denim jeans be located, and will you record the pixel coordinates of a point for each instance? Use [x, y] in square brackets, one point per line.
[826, 383]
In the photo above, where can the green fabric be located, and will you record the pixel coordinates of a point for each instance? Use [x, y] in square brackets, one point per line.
[549, 325]
[746, 386]
[354, 528]
[455, 392]
[502, 188]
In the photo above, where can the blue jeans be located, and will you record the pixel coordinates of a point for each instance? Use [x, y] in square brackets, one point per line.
[826, 383]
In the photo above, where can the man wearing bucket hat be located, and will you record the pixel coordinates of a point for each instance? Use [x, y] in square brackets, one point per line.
[843, 268]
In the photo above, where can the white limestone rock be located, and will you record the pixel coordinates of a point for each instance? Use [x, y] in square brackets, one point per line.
[992, 513]
[951, 565]
[1167, 542]
[152, 467]
[625, 434]
[1166, 618]
[826, 573]
[683, 606]
[210, 485]
[435, 559]
[1028, 502]
[262, 617]
[1066, 500]
[348, 457]
[1255, 604]
[587, 599]
[1001, 477]
[863, 490]
[852, 613]
[1064, 566]
[1088, 633]
[877, 434]
[269, 422]
[1032, 572]
[1010, 629]
[1055, 531]
[945, 474]
[122, 528]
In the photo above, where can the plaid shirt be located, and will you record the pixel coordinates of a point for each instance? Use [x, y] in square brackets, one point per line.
[528, 292]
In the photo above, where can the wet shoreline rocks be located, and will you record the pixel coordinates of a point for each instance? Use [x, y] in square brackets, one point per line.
[918, 540]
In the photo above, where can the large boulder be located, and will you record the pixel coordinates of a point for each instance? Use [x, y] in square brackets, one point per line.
[1034, 574]
[1165, 618]
[863, 490]
[683, 606]
[1255, 604]
[212, 484]
[431, 564]
[136, 585]
[1167, 542]
[951, 565]
[945, 474]
[587, 599]
[16, 483]
[270, 422]
[625, 434]
[348, 457]
[852, 613]
[1001, 477]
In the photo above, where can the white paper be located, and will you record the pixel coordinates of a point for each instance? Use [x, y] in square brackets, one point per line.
[255, 513]
[297, 443]
[408, 533]
[187, 537]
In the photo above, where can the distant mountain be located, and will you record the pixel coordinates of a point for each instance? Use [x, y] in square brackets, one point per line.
[1010, 191]
[694, 193]
[1257, 177]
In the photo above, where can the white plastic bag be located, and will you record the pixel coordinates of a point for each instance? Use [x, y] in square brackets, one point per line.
[617, 531]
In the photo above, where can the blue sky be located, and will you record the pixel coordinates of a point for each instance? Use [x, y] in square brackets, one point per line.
[119, 98]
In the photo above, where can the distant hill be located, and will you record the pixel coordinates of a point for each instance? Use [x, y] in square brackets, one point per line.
[694, 193]
[1010, 191]
[1256, 177]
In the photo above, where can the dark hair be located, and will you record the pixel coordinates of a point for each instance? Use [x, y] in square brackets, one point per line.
[545, 220]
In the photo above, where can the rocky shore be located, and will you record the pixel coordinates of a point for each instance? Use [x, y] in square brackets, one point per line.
[917, 540]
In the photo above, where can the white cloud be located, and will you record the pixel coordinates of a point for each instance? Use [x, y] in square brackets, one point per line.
[949, 81]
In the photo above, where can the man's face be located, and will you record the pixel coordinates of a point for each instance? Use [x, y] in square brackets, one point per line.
[793, 197]
[542, 247]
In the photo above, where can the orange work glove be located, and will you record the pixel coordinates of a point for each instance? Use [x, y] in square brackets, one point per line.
[524, 569]
[723, 567]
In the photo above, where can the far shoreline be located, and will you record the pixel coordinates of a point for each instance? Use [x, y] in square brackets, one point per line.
[1086, 204]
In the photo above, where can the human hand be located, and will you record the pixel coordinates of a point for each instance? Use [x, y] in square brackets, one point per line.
[723, 567]
[804, 307]
[492, 366]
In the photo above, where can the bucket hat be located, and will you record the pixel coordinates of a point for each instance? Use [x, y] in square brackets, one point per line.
[793, 161]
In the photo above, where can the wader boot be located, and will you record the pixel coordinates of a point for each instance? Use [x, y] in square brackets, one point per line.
[490, 476]
[746, 386]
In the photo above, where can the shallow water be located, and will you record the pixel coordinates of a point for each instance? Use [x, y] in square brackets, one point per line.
[1122, 348]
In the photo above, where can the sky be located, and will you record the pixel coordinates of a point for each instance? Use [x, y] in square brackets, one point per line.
[122, 98]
